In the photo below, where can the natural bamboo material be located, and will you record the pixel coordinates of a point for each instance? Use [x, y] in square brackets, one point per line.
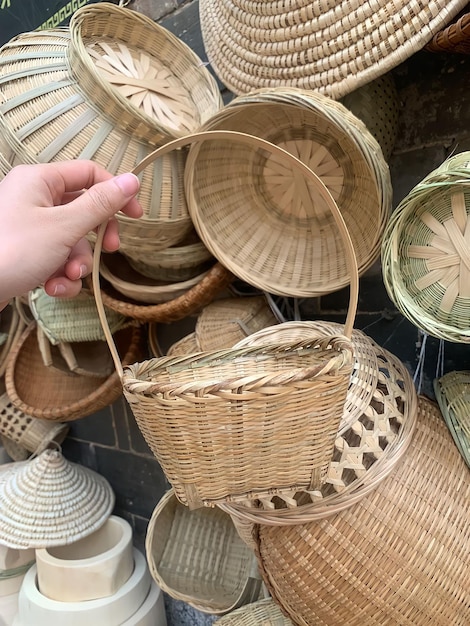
[454, 38]
[425, 259]
[184, 550]
[453, 396]
[283, 239]
[261, 613]
[276, 384]
[399, 556]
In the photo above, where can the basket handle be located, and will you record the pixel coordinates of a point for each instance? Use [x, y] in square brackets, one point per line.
[256, 142]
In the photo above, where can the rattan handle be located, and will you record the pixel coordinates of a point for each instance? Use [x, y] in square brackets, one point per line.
[275, 150]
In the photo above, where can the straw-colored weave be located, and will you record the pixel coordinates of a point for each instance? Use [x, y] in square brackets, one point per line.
[15, 451]
[10, 326]
[198, 557]
[261, 613]
[51, 394]
[425, 252]
[49, 501]
[271, 229]
[454, 38]
[453, 396]
[184, 346]
[399, 556]
[366, 450]
[141, 75]
[333, 46]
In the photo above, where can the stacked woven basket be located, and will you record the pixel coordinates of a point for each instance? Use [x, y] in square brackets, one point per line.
[302, 463]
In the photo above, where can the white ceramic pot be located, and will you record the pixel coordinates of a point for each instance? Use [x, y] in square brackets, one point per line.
[94, 567]
[152, 611]
[8, 609]
[35, 609]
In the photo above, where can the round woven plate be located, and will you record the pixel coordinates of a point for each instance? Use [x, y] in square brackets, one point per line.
[333, 46]
[425, 252]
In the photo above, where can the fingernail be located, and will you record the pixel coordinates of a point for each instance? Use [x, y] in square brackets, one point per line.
[83, 271]
[59, 289]
[128, 183]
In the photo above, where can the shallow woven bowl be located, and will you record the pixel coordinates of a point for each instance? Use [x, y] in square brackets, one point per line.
[329, 46]
[263, 220]
[398, 556]
[139, 73]
[453, 396]
[51, 394]
[197, 557]
[425, 259]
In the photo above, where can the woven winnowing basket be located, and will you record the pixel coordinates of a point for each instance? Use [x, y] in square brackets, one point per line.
[367, 448]
[377, 105]
[330, 46]
[399, 556]
[45, 116]
[454, 38]
[261, 613]
[425, 252]
[198, 557]
[284, 240]
[453, 396]
[281, 404]
[48, 393]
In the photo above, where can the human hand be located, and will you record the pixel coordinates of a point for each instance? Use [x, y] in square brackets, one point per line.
[46, 210]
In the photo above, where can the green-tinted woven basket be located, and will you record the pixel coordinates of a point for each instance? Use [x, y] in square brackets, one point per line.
[453, 396]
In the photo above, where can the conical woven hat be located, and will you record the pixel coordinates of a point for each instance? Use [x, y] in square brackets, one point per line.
[332, 46]
[50, 501]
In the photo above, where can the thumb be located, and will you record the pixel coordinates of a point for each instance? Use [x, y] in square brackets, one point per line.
[100, 202]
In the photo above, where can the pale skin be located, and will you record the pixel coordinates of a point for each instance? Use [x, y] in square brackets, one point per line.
[46, 210]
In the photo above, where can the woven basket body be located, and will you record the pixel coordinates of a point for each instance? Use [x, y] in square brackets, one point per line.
[10, 326]
[454, 38]
[399, 556]
[426, 265]
[330, 46]
[269, 229]
[51, 394]
[453, 396]
[197, 557]
[261, 613]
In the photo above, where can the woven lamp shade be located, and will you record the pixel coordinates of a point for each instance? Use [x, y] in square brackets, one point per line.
[268, 228]
[397, 556]
[51, 502]
[425, 259]
[329, 46]
[197, 557]
[453, 396]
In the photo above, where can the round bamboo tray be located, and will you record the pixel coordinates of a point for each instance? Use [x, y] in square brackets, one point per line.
[184, 346]
[425, 259]
[142, 76]
[261, 613]
[331, 47]
[48, 393]
[453, 396]
[398, 556]
[184, 549]
[264, 224]
[454, 38]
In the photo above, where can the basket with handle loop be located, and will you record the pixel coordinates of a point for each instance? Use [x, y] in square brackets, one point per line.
[238, 423]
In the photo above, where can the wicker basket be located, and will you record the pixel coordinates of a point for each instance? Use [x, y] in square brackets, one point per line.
[141, 75]
[14, 450]
[184, 346]
[333, 47]
[425, 252]
[377, 105]
[264, 224]
[48, 393]
[453, 396]
[261, 613]
[454, 38]
[198, 557]
[291, 395]
[399, 556]
[11, 326]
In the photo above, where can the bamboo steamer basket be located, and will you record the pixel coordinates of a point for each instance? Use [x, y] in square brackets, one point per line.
[397, 556]
[453, 396]
[45, 116]
[425, 252]
[330, 47]
[184, 549]
[263, 612]
[288, 245]
[454, 37]
[200, 392]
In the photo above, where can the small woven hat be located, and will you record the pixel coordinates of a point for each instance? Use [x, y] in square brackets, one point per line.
[425, 252]
[49, 502]
[329, 46]
[453, 396]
